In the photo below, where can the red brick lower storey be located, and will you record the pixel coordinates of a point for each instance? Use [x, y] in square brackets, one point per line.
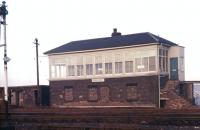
[142, 91]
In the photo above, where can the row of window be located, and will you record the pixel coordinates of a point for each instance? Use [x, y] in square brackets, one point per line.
[102, 94]
[143, 64]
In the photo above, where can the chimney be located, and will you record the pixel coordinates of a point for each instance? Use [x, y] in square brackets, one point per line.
[115, 33]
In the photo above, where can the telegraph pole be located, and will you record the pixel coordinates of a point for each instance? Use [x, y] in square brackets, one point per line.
[37, 68]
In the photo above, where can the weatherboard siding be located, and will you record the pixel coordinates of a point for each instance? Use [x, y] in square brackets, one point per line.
[178, 52]
[61, 62]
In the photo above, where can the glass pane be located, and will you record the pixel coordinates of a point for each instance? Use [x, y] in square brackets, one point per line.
[53, 71]
[89, 69]
[57, 71]
[160, 64]
[145, 64]
[99, 68]
[71, 71]
[118, 67]
[138, 64]
[108, 68]
[63, 71]
[163, 61]
[161, 52]
[152, 63]
[128, 66]
[79, 70]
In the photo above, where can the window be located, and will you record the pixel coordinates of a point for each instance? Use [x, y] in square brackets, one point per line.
[98, 64]
[53, 71]
[99, 68]
[71, 71]
[79, 70]
[118, 67]
[62, 71]
[145, 64]
[152, 63]
[68, 93]
[166, 60]
[128, 66]
[141, 64]
[138, 65]
[59, 70]
[89, 69]
[161, 64]
[182, 64]
[108, 68]
[163, 59]
[132, 91]
[92, 93]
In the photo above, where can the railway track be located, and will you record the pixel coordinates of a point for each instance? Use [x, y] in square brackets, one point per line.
[115, 118]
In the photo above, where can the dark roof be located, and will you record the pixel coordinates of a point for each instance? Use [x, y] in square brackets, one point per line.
[109, 42]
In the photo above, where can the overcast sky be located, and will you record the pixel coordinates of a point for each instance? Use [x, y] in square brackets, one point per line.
[58, 22]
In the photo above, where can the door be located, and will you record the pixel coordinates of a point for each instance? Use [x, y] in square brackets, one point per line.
[36, 97]
[174, 68]
[45, 95]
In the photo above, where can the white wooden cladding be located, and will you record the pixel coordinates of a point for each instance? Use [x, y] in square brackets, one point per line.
[107, 56]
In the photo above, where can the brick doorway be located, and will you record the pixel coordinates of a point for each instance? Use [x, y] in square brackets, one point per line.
[104, 93]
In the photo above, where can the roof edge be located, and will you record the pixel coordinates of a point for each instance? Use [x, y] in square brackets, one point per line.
[102, 49]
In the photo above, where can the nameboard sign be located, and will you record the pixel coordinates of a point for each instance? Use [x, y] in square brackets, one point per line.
[140, 66]
[98, 80]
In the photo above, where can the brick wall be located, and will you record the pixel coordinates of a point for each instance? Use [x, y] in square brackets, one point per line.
[176, 95]
[144, 92]
[22, 96]
[1, 98]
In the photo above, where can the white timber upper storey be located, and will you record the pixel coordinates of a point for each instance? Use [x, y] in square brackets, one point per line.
[115, 61]
[108, 63]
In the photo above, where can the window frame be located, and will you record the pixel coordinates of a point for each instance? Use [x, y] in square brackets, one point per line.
[134, 88]
[163, 59]
[70, 92]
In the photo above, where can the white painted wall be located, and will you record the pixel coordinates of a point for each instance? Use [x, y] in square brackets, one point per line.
[178, 51]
